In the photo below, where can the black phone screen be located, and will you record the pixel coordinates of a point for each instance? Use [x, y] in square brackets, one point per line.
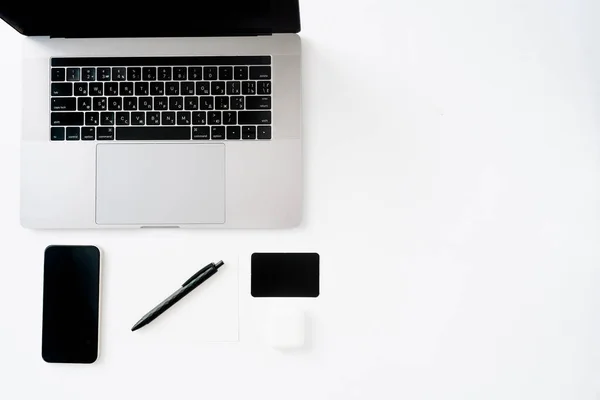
[71, 304]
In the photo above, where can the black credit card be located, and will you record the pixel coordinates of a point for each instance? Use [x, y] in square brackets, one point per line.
[285, 275]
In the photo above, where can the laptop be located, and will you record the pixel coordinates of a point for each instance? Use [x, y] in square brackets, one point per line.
[161, 116]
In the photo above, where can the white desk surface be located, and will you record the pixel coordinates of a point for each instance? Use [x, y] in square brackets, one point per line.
[452, 190]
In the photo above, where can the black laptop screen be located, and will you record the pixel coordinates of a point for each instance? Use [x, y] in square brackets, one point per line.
[160, 18]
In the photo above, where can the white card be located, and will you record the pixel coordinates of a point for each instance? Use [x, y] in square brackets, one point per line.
[138, 282]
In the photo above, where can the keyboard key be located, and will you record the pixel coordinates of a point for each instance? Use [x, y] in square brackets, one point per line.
[210, 73]
[221, 103]
[187, 88]
[141, 89]
[145, 103]
[199, 118]
[161, 103]
[96, 89]
[99, 103]
[157, 88]
[107, 133]
[258, 103]
[134, 73]
[233, 87]
[180, 73]
[88, 74]
[111, 89]
[73, 133]
[168, 118]
[195, 73]
[64, 104]
[153, 118]
[233, 133]
[73, 74]
[126, 89]
[88, 133]
[130, 103]
[66, 118]
[229, 118]
[262, 72]
[104, 74]
[62, 89]
[206, 103]
[217, 88]
[119, 74]
[175, 103]
[107, 118]
[154, 133]
[248, 132]
[149, 73]
[172, 88]
[200, 132]
[264, 132]
[191, 103]
[254, 117]
[58, 74]
[225, 73]
[217, 132]
[202, 88]
[249, 87]
[214, 118]
[264, 87]
[164, 73]
[237, 103]
[81, 89]
[122, 118]
[183, 117]
[84, 104]
[115, 103]
[138, 118]
[57, 133]
[240, 73]
[92, 118]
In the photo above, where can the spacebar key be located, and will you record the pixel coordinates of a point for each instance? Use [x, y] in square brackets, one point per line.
[154, 133]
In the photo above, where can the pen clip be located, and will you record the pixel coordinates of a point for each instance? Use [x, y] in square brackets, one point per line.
[198, 273]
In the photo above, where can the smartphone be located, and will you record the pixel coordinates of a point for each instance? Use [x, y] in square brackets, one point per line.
[71, 304]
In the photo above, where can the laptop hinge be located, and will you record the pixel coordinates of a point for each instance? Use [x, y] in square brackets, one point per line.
[150, 37]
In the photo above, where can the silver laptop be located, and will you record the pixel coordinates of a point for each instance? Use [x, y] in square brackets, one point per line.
[161, 116]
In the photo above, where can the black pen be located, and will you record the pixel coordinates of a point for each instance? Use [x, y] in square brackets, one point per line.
[187, 287]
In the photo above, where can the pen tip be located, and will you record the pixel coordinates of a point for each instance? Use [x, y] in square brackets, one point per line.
[219, 263]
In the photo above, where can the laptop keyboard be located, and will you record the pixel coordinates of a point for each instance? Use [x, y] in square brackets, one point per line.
[161, 98]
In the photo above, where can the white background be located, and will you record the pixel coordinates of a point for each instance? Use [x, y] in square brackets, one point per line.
[452, 164]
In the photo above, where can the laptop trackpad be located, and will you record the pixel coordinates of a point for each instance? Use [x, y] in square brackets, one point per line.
[160, 184]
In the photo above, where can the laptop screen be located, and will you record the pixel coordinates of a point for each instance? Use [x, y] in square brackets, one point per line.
[160, 18]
